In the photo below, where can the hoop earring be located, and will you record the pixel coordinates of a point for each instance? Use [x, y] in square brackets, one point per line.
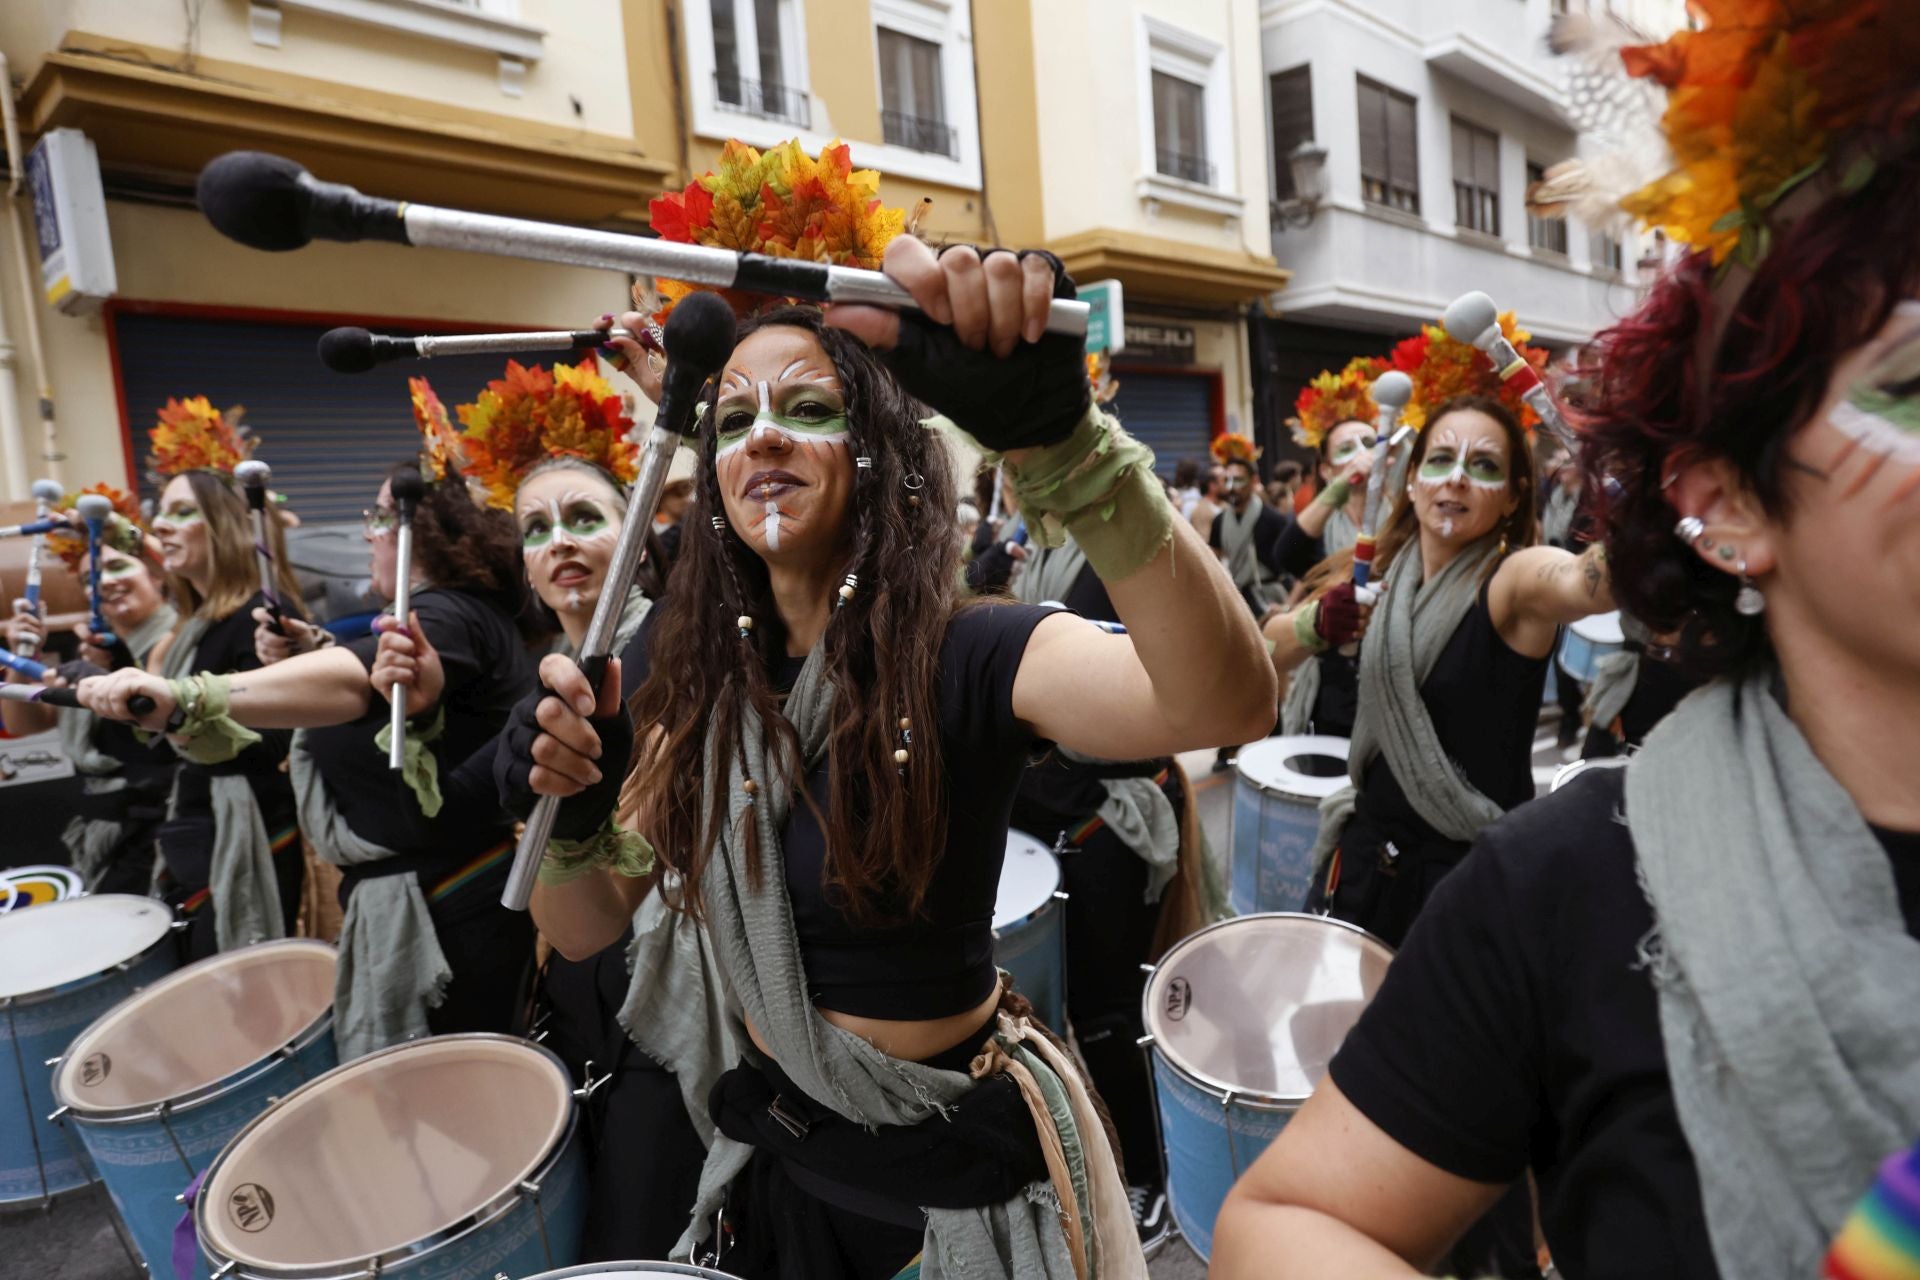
[1689, 529]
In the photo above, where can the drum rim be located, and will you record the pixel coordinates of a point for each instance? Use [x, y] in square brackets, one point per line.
[1268, 789]
[1252, 1099]
[377, 1264]
[643, 1266]
[82, 983]
[1574, 768]
[212, 1091]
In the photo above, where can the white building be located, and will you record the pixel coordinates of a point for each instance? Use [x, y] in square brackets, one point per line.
[1435, 115]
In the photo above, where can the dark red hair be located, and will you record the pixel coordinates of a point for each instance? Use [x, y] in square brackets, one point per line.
[1650, 397]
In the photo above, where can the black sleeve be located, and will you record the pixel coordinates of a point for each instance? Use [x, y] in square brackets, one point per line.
[456, 631]
[978, 662]
[1447, 1060]
[227, 649]
[1213, 532]
[1088, 597]
[1267, 540]
[989, 572]
[468, 787]
[1297, 551]
[982, 538]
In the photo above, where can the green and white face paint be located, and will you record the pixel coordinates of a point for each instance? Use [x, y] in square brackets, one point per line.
[1350, 445]
[569, 522]
[1462, 472]
[802, 410]
[1880, 412]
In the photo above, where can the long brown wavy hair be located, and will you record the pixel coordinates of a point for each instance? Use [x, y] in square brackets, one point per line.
[233, 571]
[464, 546]
[884, 828]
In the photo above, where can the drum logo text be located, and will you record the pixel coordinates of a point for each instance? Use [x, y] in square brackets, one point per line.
[94, 1068]
[1179, 999]
[251, 1207]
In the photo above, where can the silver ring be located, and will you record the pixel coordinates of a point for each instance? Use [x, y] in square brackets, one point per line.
[1689, 529]
[914, 482]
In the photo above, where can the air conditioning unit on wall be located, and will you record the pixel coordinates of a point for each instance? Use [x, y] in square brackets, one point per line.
[70, 215]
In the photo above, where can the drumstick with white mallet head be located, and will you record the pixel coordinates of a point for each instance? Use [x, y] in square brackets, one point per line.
[1473, 318]
[1391, 392]
[45, 494]
[269, 202]
[407, 490]
[254, 476]
[698, 340]
[96, 509]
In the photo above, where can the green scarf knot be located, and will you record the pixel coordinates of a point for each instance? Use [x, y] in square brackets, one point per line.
[419, 769]
[206, 734]
[613, 848]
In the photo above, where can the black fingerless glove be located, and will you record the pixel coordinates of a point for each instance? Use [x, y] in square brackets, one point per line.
[580, 815]
[77, 670]
[1033, 397]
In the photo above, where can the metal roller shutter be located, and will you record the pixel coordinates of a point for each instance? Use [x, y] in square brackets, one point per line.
[1172, 415]
[329, 437]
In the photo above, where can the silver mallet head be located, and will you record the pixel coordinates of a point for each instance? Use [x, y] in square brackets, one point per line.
[1393, 390]
[47, 491]
[1473, 319]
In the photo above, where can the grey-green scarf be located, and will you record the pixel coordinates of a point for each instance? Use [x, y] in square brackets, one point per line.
[1243, 562]
[1787, 979]
[245, 890]
[1340, 532]
[1411, 626]
[91, 842]
[759, 950]
[1616, 675]
[391, 969]
[1134, 809]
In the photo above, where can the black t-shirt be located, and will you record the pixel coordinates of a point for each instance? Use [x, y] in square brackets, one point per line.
[942, 962]
[1484, 700]
[1519, 1027]
[225, 649]
[487, 671]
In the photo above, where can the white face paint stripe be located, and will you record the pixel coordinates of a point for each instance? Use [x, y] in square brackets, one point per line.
[772, 526]
[1459, 472]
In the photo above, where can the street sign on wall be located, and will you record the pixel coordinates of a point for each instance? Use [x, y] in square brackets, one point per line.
[1106, 316]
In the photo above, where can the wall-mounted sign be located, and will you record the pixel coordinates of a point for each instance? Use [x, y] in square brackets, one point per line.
[1160, 343]
[1106, 330]
[70, 217]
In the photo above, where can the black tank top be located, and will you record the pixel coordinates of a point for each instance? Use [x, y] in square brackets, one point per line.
[1485, 702]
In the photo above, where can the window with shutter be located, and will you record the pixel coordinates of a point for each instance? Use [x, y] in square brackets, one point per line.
[1476, 178]
[1389, 151]
[1180, 129]
[913, 109]
[1547, 235]
[1292, 93]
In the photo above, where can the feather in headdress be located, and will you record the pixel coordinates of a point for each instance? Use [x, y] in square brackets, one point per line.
[1230, 446]
[1621, 148]
[1442, 368]
[531, 415]
[122, 531]
[1333, 398]
[192, 435]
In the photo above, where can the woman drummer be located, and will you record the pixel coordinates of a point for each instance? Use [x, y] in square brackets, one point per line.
[818, 559]
[1681, 992]
[229, 848]
[126, 781]
[568, 496]
[425, 946]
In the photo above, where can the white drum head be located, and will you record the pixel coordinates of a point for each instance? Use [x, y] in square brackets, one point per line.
[1259, 1005]
[1600, 628]
[1568, 772]
[61, 942]
[1306, 766]
[196, 1027]
[386, 1151]
[1028, 878]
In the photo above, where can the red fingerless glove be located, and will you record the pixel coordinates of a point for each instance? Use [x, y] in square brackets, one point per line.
[1339, 617]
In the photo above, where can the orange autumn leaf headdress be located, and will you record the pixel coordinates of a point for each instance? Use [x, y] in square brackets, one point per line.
[440, 449]
[780, 202]
[121, 533]
[530, 415]
[192, 435]
[1232, 447]
[1333, 398]
[1442, 368]
[1764, 97]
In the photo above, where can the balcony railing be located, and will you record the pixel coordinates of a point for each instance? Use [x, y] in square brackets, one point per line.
[763, 98]
[919, 133]
[1178, 164]
[1476, 208]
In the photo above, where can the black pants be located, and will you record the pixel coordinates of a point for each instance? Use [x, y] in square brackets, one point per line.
[201, 937]
[1109, 933]
[490, 951]
[1382, 892]
[644, 1152]
[129, 865]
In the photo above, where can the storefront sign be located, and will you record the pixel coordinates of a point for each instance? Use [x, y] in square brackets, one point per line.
[1160, 343]
[1105, 328]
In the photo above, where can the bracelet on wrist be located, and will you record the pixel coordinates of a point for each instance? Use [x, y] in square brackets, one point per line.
[1306, 629]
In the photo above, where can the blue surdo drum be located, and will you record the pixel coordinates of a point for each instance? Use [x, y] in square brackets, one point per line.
[63, 964]
[1029, 927]
[1587, 641]
[164, 1079]
[449, 1158]
[1242, 1019]
[1278, 787]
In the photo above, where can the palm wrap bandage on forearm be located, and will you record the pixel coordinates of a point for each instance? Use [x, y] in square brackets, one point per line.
[1098, 485]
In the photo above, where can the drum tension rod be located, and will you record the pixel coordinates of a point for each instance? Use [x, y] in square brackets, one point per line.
[589, 1086]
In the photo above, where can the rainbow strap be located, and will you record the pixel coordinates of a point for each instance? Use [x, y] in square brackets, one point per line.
[1881, 1239]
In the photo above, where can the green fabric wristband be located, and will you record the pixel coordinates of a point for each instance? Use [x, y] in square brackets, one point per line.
[1304, 623]
[1098, 485]
[1335, 495]
[419, 768]
[623, 852]
[207, 734]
